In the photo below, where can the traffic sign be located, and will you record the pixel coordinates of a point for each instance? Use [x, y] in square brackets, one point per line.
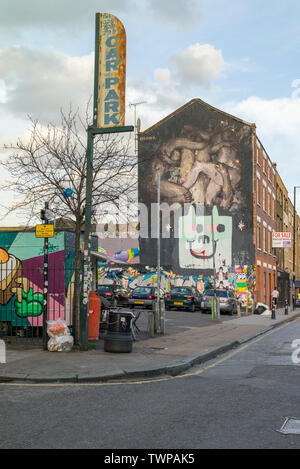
[44, 231]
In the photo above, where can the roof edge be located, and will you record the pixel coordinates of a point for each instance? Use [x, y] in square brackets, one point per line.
[192, 101]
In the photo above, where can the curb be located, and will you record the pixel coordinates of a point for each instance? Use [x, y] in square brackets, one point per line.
[173, 370]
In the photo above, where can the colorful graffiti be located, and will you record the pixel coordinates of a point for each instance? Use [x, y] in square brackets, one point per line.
[126, 255]
[131, 278]
[21, 274]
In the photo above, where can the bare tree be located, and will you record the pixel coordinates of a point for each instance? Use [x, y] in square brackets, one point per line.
[53, 159]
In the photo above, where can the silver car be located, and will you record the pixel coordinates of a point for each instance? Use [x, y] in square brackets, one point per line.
[228, 303]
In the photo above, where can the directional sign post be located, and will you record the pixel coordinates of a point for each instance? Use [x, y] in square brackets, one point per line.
[45, 231]
[108, 117]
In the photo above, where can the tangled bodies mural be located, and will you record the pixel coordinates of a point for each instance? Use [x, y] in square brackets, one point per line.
[204, 160]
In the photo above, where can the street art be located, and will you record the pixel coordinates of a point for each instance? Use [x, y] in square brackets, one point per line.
[203, 236]
[132, 278]
[126, 255]
[21, 279]
[199, 166]
[204, 158]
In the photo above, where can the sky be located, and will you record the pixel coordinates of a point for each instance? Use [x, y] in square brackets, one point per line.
[239, 56]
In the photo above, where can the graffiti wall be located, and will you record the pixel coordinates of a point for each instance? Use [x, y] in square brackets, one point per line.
[204, 158]
[21, 272]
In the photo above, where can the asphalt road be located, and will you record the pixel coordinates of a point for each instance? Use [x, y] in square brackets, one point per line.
[239, 400]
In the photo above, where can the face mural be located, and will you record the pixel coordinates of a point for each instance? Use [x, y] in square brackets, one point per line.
[203, 236]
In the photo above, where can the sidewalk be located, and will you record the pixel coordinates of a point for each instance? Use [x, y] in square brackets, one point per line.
[169, 354]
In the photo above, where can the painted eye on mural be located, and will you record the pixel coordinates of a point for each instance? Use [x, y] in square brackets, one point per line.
[220, 228]
[199, 228]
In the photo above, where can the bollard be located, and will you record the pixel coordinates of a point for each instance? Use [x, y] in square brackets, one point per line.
[273, 312]
[286, 307]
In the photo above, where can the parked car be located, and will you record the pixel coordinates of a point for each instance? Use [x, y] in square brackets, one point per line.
[184, 298]
[144, 296]
[114, 294]
[228, 303]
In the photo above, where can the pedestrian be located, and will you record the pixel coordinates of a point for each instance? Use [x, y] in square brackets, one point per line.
[275, 296]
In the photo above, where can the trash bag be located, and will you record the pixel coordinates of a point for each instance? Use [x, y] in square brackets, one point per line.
[260, 309]
[60, 337]
[57, 328]
[60, 343]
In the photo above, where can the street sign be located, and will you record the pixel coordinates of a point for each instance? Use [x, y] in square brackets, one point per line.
[110, 65]
[281, 240]
[44, 231]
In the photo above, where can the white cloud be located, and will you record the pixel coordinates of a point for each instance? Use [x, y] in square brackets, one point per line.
[182, 14]
[66, 14]
[198, 64]
[163, 75]
[40, 82]
[277, 126]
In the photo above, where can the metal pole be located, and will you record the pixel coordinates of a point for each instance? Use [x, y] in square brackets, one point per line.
[216, 315]
[294, 230]
[273, 315]
[158, 308]
[45, 285]
[84, 316]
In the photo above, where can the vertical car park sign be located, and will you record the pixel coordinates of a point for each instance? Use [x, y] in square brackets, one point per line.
[110, 68]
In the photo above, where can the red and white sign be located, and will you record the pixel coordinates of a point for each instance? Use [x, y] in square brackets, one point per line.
[281, 240]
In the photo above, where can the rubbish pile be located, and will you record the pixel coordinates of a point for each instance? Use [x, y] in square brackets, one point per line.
[60, 337]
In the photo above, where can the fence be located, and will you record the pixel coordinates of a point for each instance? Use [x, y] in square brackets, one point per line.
[22, 297]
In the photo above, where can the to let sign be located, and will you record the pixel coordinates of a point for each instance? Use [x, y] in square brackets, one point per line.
[281, 240]
[44, 231]
[110, 66]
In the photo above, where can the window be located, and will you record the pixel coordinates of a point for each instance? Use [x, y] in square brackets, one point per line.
[265, 239]
[258, 197]
[258, 235]
[264, 165]
[258, 155]
[270, 242]
[264, 198]
[270, 173]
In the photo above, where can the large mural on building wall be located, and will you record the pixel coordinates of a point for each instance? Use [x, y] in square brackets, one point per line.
[21, 279]
[204, 158]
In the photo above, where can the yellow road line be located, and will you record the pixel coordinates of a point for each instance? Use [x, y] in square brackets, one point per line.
[155, 380]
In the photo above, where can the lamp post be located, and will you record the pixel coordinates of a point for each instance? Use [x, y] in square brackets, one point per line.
[294, 243]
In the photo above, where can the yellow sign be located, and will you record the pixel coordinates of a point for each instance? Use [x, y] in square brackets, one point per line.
[110, 66]
[44, 231]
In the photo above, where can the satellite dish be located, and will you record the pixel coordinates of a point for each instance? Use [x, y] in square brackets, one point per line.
[138, 125]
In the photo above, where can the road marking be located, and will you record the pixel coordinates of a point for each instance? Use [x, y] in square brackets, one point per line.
[154, 380]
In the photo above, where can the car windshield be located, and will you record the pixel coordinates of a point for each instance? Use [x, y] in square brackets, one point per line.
[219, 293]
[185, 291]
[146, 290]
[104, 288]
